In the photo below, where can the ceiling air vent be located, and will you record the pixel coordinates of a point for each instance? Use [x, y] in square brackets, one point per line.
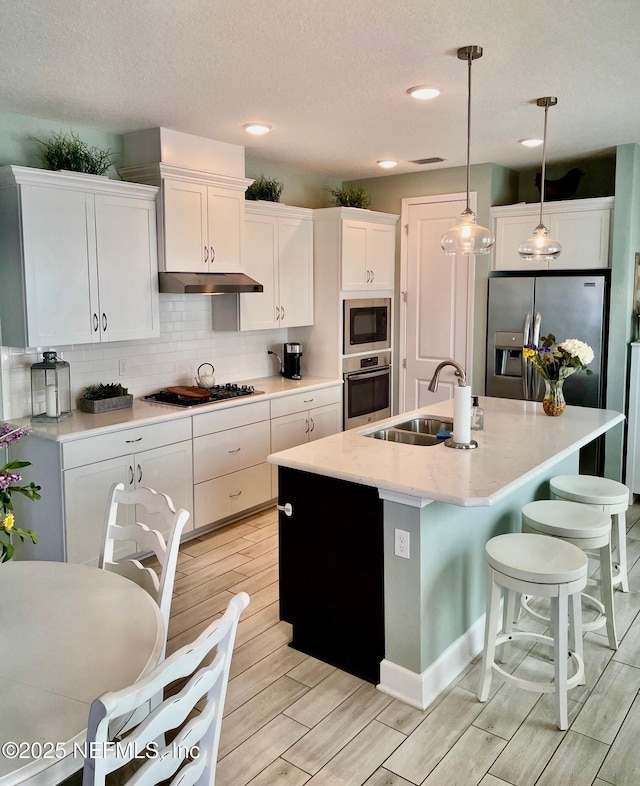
[434, 160]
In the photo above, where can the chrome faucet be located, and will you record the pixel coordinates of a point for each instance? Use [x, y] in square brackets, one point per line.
[460, 373]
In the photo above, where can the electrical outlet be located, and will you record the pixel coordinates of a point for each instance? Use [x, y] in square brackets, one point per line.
[122, 367]
[402, 543]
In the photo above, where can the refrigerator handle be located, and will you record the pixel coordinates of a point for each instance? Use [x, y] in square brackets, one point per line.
[536, 340]
[525, 365]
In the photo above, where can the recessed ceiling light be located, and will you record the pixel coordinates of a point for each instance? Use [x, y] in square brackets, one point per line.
[257, 129]
[530, 142]
[423, 92]
[387, 164]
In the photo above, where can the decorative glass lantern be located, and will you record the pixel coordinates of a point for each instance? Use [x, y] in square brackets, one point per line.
[50, 389]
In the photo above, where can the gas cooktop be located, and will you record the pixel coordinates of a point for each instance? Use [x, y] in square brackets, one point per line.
[217, 393]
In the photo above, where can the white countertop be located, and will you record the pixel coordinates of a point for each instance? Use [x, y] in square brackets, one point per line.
[518, 442]
[143, 413]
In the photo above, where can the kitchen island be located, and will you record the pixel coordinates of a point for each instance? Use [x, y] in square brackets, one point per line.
[357, 501]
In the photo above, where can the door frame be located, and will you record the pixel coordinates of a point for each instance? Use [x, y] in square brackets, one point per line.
[408, 202]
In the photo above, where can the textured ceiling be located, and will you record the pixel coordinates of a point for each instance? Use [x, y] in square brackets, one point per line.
[331, 75]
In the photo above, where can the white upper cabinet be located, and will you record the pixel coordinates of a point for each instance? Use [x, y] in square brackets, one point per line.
[79, 259]
[582, 226]
[201, 217]
[368, 255]
[202, 226]
[278, 252]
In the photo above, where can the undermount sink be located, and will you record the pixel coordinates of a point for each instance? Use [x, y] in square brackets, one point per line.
[417, 431]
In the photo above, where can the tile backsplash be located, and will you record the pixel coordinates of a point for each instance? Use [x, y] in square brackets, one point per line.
[186, 340]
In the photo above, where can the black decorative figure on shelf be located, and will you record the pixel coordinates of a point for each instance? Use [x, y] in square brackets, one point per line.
[562, 188]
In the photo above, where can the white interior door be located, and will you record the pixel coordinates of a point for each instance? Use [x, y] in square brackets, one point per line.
[437, 316]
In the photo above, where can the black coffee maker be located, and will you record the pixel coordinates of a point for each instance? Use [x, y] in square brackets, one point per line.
[291, 361]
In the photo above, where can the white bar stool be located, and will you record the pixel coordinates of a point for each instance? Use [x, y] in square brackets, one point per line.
[542, 566]
[590, 530]
[609, 496]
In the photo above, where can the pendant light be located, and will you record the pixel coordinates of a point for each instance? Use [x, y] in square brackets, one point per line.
[540, 247]
[467, 236]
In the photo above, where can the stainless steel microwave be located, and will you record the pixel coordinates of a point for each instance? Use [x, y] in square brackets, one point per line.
[367, 325]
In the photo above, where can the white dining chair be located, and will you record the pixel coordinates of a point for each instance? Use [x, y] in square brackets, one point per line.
[194, 748]
[147, 540]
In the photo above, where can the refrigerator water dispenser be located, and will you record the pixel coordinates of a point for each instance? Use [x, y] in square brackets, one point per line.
[508, 354]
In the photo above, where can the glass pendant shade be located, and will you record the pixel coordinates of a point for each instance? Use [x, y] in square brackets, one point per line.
[467, 236]
[540, 247]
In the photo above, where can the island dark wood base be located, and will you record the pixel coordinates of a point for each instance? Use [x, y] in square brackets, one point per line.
[331, 570]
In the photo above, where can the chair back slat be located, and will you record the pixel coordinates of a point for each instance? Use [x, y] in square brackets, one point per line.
[134, 570]
[207, 683]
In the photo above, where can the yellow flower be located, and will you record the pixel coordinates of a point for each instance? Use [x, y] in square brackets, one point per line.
[7, 522]
[528, 353]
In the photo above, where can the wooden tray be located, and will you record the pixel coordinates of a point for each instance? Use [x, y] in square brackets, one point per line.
[190, 392]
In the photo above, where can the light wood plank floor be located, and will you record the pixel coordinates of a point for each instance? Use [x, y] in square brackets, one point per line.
[292, 720]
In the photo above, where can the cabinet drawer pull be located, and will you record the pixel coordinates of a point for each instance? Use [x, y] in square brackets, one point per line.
[206, 254]
[139, 474]
[237, 494]
[130, 475]
[307, 400]
[104, 321]
[96, 324]
[129, 441]
[237, 450]
[287, 508]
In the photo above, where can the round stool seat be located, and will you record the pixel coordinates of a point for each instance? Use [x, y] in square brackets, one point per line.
[564, 519]
[536, 558]
[590, 490]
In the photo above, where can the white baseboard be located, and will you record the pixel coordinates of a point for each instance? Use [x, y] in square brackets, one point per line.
[419, 690]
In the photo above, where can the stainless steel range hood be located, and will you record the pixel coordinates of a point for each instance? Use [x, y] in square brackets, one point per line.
[207, 283]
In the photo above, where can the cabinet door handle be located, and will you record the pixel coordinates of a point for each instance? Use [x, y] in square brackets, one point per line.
[277, 313]
[373, 275]
[237, 494]
[237, 450]
[129, 441]
[206, 255]
[104, 322]
[368, 274]
[96, 324]
[313, 425]
[282, 312]
[287, 508]
[213, 253]
[307, 431]
[139, 473]
[130, 475]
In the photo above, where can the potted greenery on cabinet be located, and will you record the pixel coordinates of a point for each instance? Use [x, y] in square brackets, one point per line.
[104, 398]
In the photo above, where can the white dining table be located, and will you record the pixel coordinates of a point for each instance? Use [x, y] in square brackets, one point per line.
[68, 633]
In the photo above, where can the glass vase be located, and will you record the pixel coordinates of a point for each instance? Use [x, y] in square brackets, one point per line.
[553, 402]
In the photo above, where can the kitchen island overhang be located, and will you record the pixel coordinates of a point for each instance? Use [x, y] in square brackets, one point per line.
[450, 502]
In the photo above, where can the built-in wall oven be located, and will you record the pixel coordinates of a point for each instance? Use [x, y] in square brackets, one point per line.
[367, 389]
[367, 325]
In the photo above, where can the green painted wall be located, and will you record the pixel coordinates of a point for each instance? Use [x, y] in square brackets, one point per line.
[599, 180]
[626, 243]
[300, 188]
[17, 148]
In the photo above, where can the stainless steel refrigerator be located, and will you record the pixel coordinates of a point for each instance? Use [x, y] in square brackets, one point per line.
[521, 309]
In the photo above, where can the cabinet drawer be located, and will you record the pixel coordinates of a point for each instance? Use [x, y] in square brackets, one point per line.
[298, 402]
[231, 450]
[221, 419]
[118, 443]
[229, 495]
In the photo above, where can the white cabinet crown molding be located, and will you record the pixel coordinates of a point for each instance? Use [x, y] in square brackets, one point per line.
[97, 184]
[562, 206]
[278, 209]
[357, 213]
[155, 173]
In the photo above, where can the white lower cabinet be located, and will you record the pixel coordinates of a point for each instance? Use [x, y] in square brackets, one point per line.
[230, 449]
[304, 417]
